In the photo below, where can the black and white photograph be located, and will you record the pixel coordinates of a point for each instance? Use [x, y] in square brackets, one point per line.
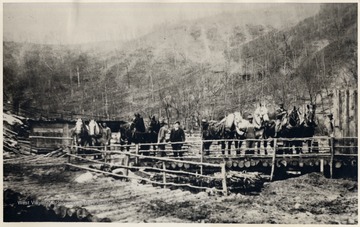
[180, 112]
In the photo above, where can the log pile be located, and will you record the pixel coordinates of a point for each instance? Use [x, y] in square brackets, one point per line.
[244, 182]
[237, 182]
[12, 130]
[18, 207]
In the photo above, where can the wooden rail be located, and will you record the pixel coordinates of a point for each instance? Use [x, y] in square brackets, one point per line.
[140, 178]
[163, 170]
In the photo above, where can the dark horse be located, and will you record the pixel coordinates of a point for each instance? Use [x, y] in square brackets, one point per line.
[225, 129]
[136, 132]
[143, 134]
[297, 126]
[126, 135]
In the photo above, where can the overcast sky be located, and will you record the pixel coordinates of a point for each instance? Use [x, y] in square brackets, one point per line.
[68, 23]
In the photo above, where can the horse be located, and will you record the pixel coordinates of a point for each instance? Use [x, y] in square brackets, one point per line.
[292, 131]
[267, 128]
[95, 133]
[80, 134]
[294, 125]
[126, 135]
[225, 129]
[143, 134]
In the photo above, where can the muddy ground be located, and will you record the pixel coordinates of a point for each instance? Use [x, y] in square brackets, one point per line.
[308, 199]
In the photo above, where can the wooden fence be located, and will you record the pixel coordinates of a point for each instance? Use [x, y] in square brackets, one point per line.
[345, 112]
[326, 152]
[162, 170]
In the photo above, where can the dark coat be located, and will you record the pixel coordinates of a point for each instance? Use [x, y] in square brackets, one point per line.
[177, 135]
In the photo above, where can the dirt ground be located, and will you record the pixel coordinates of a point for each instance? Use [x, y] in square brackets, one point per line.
[308, 199]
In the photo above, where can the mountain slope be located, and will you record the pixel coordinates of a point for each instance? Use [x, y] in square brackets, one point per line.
[206, 67]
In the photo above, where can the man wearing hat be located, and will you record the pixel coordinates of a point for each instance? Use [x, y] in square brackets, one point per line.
[162, 136]
[261, 114]
[250, 134]
[107, 132]
[177, 135]
[281, 114]
[329, 123]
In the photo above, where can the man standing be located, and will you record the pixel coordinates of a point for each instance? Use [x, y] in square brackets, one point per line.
[162, 137]
[250, 134]
[107, 132]
[280, 118]
[261, 114]
[177, 135]
[329, 123]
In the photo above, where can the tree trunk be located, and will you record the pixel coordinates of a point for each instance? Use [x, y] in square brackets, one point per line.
[78, 75]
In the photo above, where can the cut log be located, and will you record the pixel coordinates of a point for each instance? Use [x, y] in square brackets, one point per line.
[168, 165]
[71, 212]
[265, 164]
[229, 164]
[354, 162]
[295, 163]
[235, 164]
[241, 164]
[63, 211]
[82, 213]
[247, 164]
[338, 165]
[187, 166]
[252, 162]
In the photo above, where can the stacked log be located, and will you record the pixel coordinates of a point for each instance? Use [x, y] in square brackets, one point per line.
[37, 212]
[236, 181]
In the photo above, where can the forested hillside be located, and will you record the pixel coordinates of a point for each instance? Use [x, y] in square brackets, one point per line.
[207, 67]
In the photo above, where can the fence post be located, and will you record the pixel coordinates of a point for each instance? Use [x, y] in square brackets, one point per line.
[136, 152]
[332, 151]
[322, 166]
[273, 161]
[127, 157]
[164, 174]
[69, 157]
[223, 174]
[201, 157]
[105, 154]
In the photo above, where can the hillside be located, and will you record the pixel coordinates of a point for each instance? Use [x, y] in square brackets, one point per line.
[206, 67]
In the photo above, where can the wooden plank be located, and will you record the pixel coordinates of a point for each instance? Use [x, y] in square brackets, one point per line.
[332, 158]
[321, 165]
[355, 133]
[164, 173]
[335, 112]
[273, 161]
[340, 113]
[223, 174]
[136, 152]
[347, 113]
[201, 157]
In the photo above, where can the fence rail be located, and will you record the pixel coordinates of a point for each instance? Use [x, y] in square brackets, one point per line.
[162, 170]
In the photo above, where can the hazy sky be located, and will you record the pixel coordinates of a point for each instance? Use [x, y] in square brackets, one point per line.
[68, 23]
